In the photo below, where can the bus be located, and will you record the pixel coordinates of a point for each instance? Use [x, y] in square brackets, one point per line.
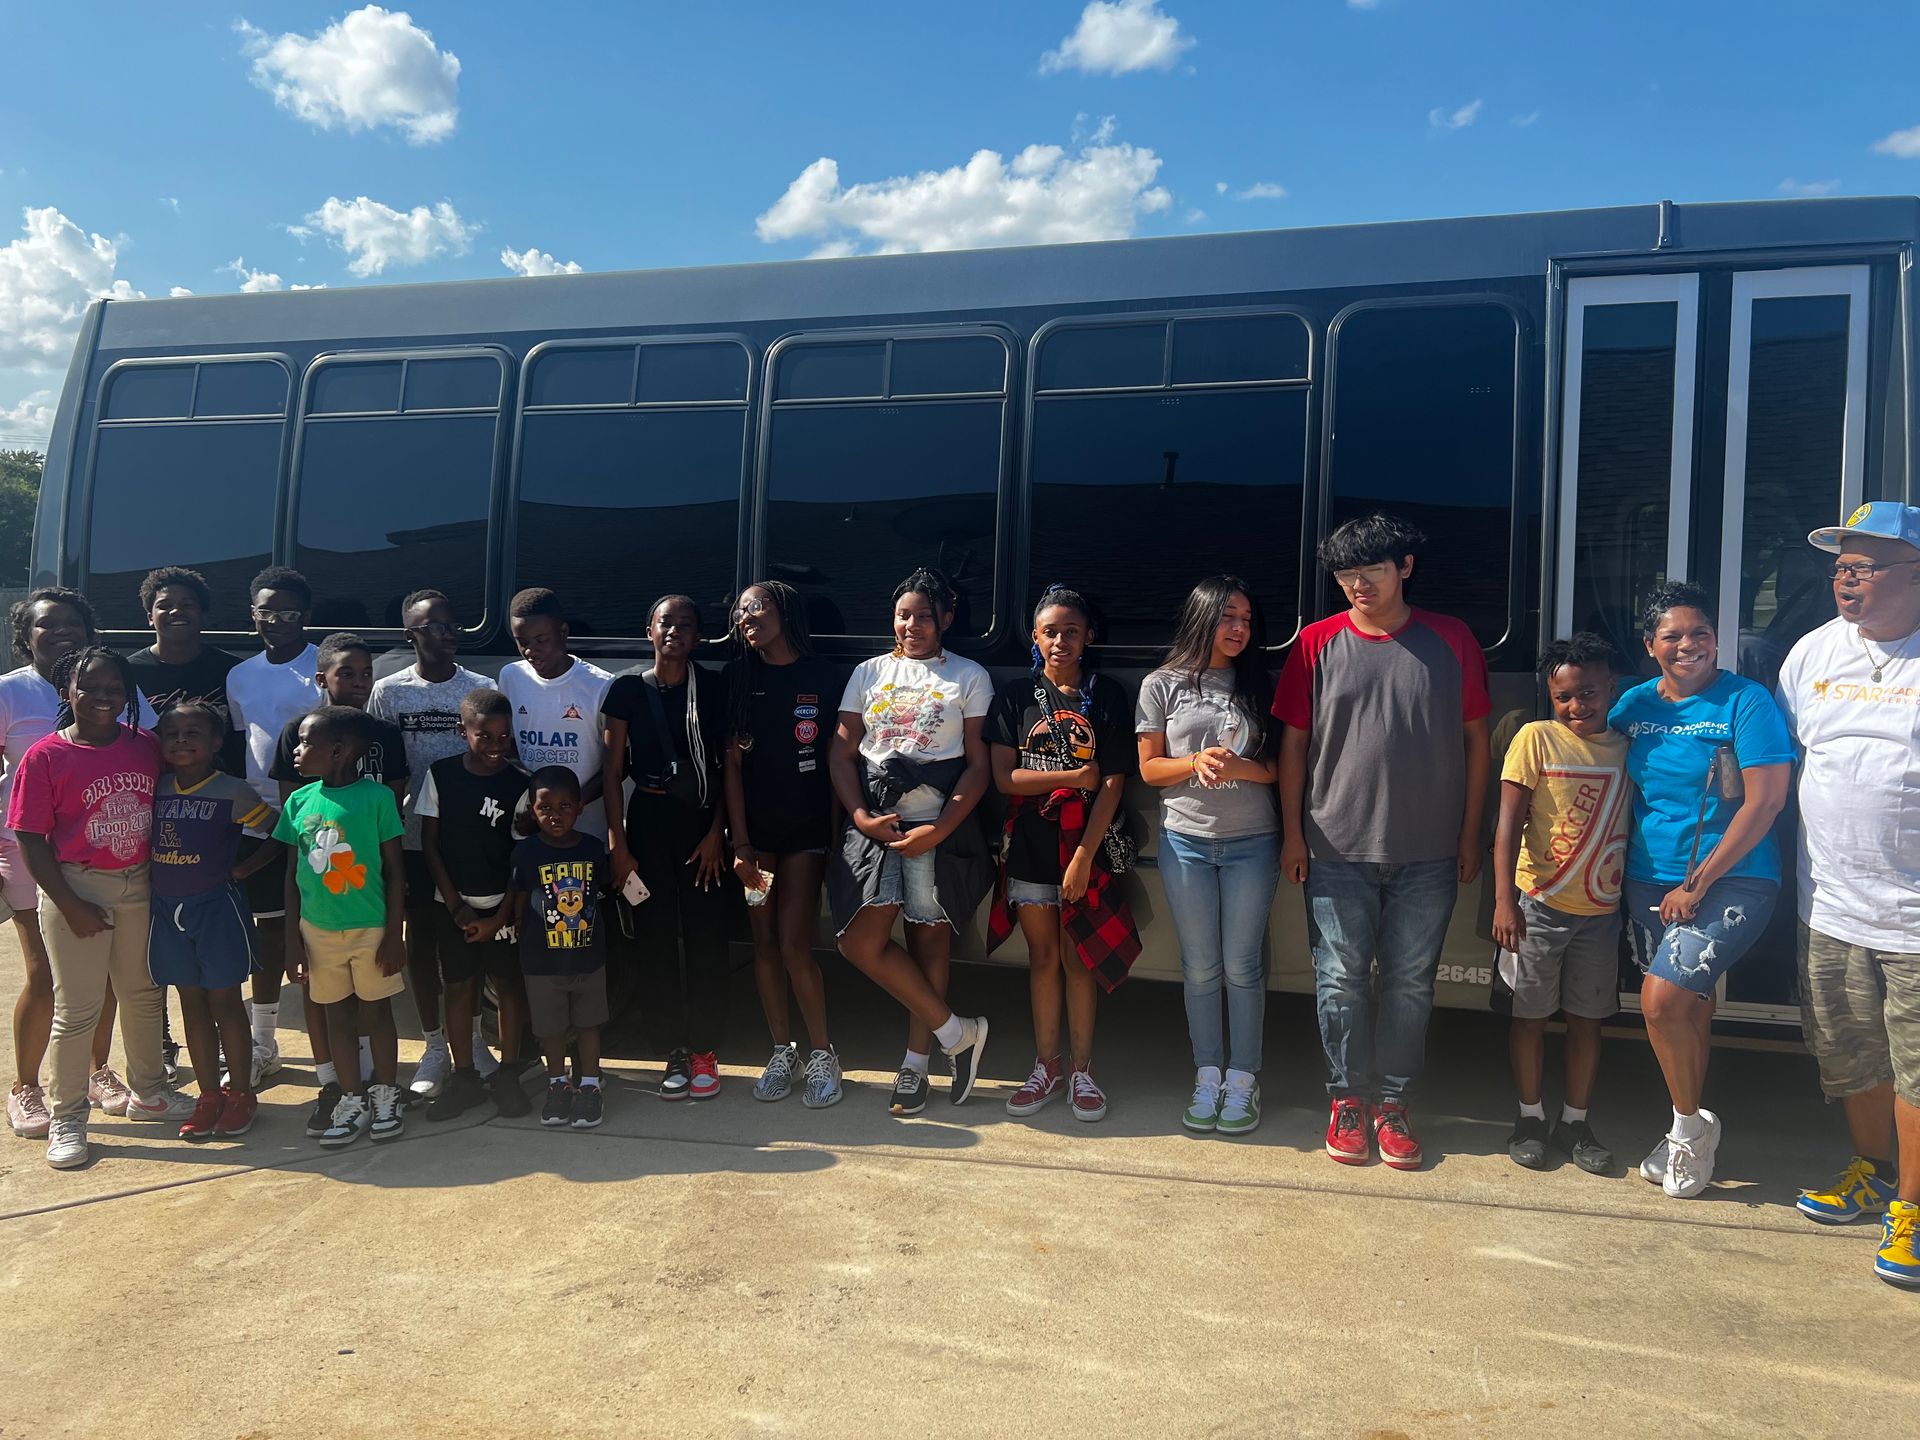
[1574, 406]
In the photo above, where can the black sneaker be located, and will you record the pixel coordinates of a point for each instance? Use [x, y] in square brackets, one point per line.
[909, 1092]
[170, 1055]
[321, 1120]
[679, 1076]
[965, 1062]
[508, 1097]
[1577, 1140]
[462, 1091]
[1528, 1143]
[587, 1104]
[559, 1106]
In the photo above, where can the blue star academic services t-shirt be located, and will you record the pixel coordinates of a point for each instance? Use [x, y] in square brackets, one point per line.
[1670, 745]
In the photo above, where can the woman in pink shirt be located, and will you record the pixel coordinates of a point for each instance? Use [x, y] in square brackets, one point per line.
[82, 809]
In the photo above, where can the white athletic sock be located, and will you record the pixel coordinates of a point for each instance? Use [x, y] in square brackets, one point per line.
[1571, 1116]
[589, 1082]
[951, 1034]
[325, 1073]
[1534, 1112]
[916, 1060]
[1688, 1127]
[266, 1019]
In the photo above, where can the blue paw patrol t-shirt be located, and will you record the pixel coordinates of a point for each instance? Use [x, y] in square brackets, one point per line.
[563, 922]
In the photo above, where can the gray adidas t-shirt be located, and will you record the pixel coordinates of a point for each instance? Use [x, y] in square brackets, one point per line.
[1193, 718]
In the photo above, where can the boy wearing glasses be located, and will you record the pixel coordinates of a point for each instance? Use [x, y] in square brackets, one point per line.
[423, 700]
[1383, 778]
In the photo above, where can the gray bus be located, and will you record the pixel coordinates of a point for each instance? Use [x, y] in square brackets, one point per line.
[1574, 406]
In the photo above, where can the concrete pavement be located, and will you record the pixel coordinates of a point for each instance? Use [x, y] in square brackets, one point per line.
[731, 1268]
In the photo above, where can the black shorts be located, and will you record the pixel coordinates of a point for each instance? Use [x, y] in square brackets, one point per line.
[265, 889]
[459, 959]
[421, 891]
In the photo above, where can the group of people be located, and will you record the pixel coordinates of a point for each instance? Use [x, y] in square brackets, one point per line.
[180, 817]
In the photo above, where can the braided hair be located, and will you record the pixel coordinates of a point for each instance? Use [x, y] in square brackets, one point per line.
[20, 616]
[696, 742]
[933, 587]
[792, 609]
[1071, 600]
[74, 661]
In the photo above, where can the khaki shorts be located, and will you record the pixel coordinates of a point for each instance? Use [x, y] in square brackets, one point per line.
[343, 962]
[1860, 1012]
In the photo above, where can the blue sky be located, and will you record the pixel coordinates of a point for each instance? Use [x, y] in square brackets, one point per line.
[145, 147]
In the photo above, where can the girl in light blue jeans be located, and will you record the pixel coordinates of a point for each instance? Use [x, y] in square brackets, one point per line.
[1207, 745]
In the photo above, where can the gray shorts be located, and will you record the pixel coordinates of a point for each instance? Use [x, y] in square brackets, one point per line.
[1567, 963]
[559, 1003]
[1860, 1012]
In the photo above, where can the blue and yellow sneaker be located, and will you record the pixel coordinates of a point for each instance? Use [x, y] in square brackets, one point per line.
[1899, 1259]
[1860, 1193]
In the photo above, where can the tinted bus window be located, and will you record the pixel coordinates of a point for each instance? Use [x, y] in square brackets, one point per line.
[457, 384]
[150, 392]
[683, 373]
[356, 389]
[1423, 426]
[1104, 357]
[241, 388]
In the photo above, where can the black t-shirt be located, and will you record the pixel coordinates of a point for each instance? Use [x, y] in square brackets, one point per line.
[1102, 734]
[385, 760]
[563, 924]
[202, 678]
[647, 752]
[475, 816]
[790, 717]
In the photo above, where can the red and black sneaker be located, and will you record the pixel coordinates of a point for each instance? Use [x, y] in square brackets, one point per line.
[1393, 1129]
[1347, 1138]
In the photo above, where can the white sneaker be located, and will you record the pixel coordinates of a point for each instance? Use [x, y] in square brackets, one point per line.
[67, 1143]
[351, 1118]
[107, 1092]
[1203, 1111]
[1690, 1162]
[386, 1121]
[430, 1076]
[167, 1107]
[266, 1061]
[1653, 1169]
[776, 1080]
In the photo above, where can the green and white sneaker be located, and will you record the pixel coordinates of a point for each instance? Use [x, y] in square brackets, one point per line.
[1203, 1113]
[1240, 1106]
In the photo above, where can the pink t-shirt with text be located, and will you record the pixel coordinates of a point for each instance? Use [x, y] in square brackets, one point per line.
[94, 803]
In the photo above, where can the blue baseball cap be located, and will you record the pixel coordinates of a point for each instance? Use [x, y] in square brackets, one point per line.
[1882, 519]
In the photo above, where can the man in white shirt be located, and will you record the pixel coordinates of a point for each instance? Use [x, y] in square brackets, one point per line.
[1851, 694]
[556, 700]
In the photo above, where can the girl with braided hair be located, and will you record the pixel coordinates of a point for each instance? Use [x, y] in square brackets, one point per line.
[82, 807]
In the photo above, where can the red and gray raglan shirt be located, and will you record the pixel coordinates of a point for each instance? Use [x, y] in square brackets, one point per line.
[1386, 762]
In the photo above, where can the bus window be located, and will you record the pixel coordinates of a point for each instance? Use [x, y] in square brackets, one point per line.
[244, 388]
[686, 373]
[151, 392]
[860, 491]
[368, 388]
[453, 384]
[1423, 426]
[1135, 495]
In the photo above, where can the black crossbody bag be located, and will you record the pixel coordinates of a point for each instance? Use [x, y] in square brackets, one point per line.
[676, 777]
[1121, 849]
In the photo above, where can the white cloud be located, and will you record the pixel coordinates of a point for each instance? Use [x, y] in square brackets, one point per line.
[1219, 187]
[376, 236]
[47, 276]
[31, 416]
[373, 68]
[252, 282]
[172, 202]
[535, 261]
[1045, 195]
[1442, 118]
[1523, 121]
[1196, 216]
[298, 286]
[1903, 144]
[1262, 190]
[1791, 186]
[178, 292]
[1118, 36]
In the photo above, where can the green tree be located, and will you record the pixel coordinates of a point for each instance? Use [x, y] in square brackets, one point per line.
[19, 497]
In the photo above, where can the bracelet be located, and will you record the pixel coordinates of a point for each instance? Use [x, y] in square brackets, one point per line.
[1194, 763]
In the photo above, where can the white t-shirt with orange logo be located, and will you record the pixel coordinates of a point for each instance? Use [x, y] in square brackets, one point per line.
[1859, 855]
[1574, 848]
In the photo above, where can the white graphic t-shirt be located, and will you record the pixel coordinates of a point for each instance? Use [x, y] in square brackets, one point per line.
[1859, 855]
[918, 709]
[261, 698]
[427, 714]
[557, 722]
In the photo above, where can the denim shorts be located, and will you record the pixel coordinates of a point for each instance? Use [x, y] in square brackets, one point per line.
[908, 881]
[1029, 892]
[1732, 917]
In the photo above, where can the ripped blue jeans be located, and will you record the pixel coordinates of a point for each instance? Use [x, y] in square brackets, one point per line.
[1732, 917]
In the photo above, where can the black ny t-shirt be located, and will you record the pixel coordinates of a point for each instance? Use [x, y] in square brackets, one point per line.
[202, 678]
[1099, 729]
[790, 714]
[647, 750]
[475, 819]
[564, 921]
[385, 759]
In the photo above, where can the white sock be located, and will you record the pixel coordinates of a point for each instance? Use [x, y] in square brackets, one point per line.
[325, 1073]
[589, 1082]
[436, 1036]
[266, 1020]
[916, 1060]
[1571, 1116]
[951, 1034]
[1534, 1112]
[1688, 1127]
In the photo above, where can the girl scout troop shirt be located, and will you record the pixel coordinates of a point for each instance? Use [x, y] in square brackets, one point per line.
[1671, 744]
[427, 714]
[261, 698]
[560, 928]
[1575, 840]
[196, 833]
[919, 709]
[557, 722]
[790, 720]
[335, 834]
[94, 803]
[1103, 735]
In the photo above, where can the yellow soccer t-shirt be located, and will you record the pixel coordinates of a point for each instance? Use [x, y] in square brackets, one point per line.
[1573, 852]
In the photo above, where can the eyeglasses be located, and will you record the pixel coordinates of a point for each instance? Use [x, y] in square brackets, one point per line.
[1369, 574]
[1865, 570]
[442, 628]
[750, 610]
[280, 617]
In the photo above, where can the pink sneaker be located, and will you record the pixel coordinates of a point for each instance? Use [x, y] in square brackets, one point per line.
[107, 1092]
[1089, 1100]
[27, 1112]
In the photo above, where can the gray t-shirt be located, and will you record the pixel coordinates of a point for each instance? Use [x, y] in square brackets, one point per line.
[1193, 718]
[428, 714]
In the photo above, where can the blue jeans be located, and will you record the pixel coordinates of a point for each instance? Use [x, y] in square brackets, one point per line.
[1360, 914]
[908, 881]
[1732, 917]
[1221, 892]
